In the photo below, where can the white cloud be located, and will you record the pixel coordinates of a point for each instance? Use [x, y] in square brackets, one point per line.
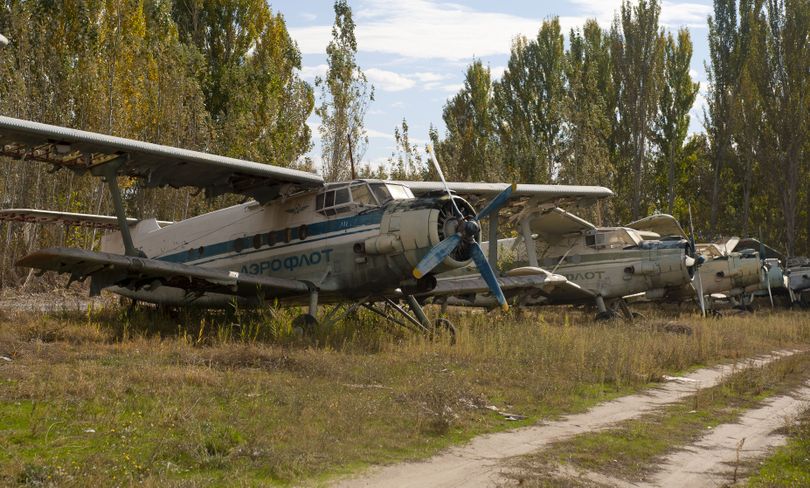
[424, 29]
[377, 134]
[696, 114]
[674, 14]
[388, 80]
[497, 72]
[308, 16]
[429, 77]
[452, 87]
[310, 72]
[685, 14]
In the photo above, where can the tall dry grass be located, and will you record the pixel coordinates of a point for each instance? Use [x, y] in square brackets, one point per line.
[221, 398]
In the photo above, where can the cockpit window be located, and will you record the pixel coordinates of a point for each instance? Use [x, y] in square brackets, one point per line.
[381, 192]
[389, 191]
[399, 192]
[361, 195]
[343, 197]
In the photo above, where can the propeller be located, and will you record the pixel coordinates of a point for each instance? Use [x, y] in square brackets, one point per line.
[466, 232]
[697, 279]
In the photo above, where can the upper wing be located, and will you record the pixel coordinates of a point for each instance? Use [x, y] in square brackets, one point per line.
[662, 224]
[531, 195]
[68, 218]
[130, 272]
[156, 165]
[554, 223]
[756, 245]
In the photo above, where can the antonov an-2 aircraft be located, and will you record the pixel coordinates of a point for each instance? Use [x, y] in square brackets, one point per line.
[298, 241]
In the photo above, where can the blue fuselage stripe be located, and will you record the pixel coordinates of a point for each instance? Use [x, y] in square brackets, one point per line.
[277, 239]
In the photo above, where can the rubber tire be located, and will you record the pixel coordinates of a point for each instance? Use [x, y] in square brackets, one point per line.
[444, 325]
[305, 325]
[605, 316]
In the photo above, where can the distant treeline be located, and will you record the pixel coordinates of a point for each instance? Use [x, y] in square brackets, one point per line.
[607, 107]
[613, 107]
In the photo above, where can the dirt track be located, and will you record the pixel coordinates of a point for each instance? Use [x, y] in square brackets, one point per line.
[710, 462]
[478, 463]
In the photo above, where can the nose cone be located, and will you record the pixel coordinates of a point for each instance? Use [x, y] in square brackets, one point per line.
[471, 228]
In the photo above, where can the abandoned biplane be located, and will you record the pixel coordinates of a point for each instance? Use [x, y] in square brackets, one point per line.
[724, 273]
[588, 264]
[298, 241]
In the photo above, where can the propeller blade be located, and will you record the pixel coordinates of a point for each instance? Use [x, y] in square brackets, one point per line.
[699, 289]
[488, 275]
[436, 255]
[436, 165]
[768, 281]
[698, 281]
[496, 202]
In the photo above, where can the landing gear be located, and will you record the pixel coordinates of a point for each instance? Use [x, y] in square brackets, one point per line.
[617, 308]
[410, 316]
[305, 325]
[414, 317]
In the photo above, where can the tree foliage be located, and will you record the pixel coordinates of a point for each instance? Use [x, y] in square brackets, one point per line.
[219, 76]
[345, 97]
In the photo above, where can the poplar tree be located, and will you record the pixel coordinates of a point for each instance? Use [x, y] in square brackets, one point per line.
[587, 153]
[345, 98]
[529, 102]
[637, 53]
[253, 91]
[468, 152]
[722, 76]
[787, 105]
[677, 96]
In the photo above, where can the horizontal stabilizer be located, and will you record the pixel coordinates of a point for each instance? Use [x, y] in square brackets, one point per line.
[136, 273]
[67, 218]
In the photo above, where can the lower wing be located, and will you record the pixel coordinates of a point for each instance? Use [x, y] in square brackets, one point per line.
[524, 286]
[137, 273]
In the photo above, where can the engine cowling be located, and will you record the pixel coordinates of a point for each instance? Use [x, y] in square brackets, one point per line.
[410, 228]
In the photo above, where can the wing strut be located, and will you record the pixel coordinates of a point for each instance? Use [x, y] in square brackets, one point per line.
[109, 172]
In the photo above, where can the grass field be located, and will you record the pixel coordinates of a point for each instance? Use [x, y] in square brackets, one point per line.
[103, 398]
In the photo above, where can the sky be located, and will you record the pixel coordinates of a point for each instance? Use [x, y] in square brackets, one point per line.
[415, 52]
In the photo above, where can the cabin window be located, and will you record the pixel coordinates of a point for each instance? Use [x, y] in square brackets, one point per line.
[342, 196]
[257, 241]
[302, 232]
[238, 245]
[590, 240]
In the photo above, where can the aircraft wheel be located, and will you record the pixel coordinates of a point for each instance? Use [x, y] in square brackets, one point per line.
[444, 326]
[304, 325]
[606, 315]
